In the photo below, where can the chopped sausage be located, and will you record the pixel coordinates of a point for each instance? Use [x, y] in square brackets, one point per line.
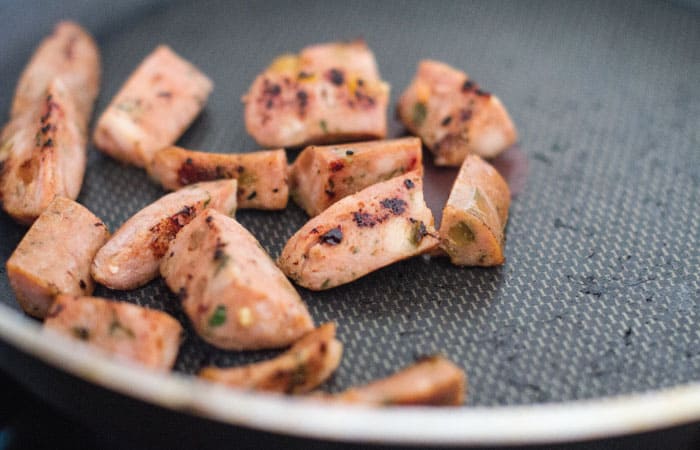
[381, 224]
[328, 93]
[153, 108]
[124, 330]
[310, 361]
[262, 176]
[453, 116]
[474, 218]
[230, 288]
[54, 256]
[321, 176]
[45, 157]
[432, 381]
[132, 256]
[42, 148]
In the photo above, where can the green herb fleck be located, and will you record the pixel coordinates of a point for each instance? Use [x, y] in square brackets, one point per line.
[207, 201]
[324, 126]
[419, 113]
[418, 232]
[355, 250]
[5, 149]
[297, 378]
[246, 179]
[461, 233]
[326, 283]
[116, 327]
[218, 317]
[81, 333]
[221, 259]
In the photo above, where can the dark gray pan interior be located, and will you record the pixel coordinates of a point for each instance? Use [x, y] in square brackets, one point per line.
[600, 294]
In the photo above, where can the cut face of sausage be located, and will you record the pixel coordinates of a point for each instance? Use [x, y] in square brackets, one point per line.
[328, 93]
[262, 176]
[131, 332]
[132, 256]
[153, 108]
[474, 218]
[432, 381]
[321, 176]
[381, 224]
[54, 256]
[453, 116]
[230, 288]
[302, 368]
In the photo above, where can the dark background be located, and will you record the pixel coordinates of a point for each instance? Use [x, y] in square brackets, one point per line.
[601, 291]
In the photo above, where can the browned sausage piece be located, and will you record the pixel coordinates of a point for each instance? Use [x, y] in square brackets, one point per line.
[262, 176]
[45, 155]
[124, 330]
[328, 93]
[321, 176]
[432, 381]
[232, 291]
[302, 368]
[153, 108]
[42, 148]
[381, 224]
[474, 218]
[132, 256]
[54, 256]
[453, 116]
[70, 55]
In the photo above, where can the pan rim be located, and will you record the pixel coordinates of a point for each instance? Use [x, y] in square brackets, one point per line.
[537, 423]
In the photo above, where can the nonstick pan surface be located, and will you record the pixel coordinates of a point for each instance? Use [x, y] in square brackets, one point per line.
[600, 294]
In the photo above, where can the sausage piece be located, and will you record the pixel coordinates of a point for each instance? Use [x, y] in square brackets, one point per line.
[233, 293]
[132, 256]
[302, 368]
[124, 330]
[474, 218]
[42, 148]
[432, 381]
[153, 108]
[45, 155]
[453, 116]
[54, 256]
[262, 176]
[381, 224]
[328, 93]
[320, 176]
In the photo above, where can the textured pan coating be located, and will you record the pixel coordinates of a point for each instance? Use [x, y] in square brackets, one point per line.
[597, 296]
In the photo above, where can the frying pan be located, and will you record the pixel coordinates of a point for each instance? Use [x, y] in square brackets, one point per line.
[592, 326]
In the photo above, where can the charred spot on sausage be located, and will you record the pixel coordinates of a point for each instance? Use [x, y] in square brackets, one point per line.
[333, 236]
[396, 205]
